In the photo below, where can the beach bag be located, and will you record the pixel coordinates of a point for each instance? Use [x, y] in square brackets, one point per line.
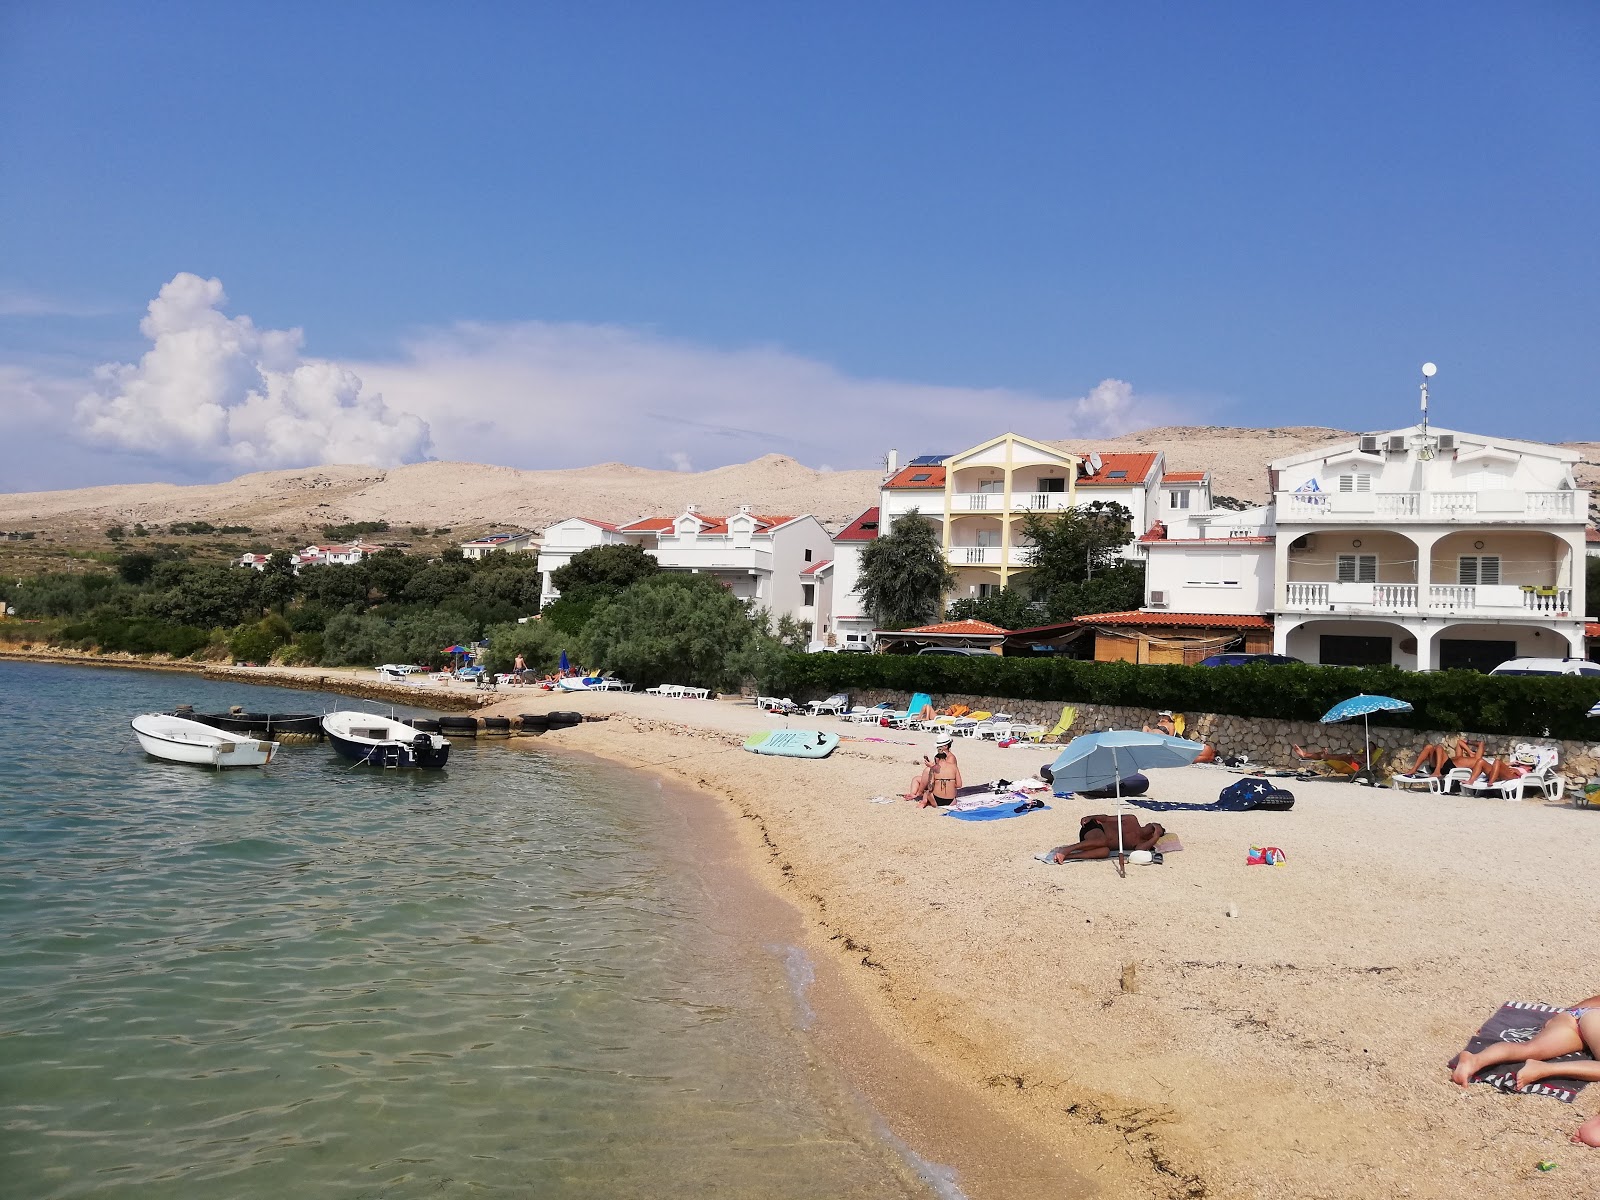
[1249, 795]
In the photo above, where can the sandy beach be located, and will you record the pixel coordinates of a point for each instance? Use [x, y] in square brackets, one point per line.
[1157, 1045]
[1126, 1036]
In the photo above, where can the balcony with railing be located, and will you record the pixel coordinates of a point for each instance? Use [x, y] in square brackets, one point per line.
[1380, 507]
[1488, 600]
[995, 502]
[987, 556]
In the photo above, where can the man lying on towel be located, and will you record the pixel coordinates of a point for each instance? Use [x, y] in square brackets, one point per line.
[1097, 838]
[1568, 1032]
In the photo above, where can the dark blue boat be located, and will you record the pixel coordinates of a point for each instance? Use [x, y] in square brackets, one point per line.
[384, 742]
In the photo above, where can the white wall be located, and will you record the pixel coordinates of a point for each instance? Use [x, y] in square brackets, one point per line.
[1192, 575]
[789, 544]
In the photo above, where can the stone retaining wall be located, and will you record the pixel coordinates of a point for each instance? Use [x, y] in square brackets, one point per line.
[1265, 741]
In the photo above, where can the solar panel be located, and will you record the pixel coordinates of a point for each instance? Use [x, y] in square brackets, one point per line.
[927, 460]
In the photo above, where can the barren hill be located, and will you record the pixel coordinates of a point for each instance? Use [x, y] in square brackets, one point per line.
[471, 498]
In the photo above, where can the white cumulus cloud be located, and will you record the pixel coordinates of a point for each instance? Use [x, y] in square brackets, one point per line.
[544, 394]
[216, 389]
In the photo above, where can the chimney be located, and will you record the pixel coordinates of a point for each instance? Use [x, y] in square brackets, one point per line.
[744, 509]
[894, 461]
[692, 508]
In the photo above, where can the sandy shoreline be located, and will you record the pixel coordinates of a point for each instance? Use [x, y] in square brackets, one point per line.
[1297, 1050]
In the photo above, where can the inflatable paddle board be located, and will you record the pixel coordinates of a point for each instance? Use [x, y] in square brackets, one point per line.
[792, 743]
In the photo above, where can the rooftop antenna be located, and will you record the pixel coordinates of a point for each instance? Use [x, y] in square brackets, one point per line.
[1427, 445]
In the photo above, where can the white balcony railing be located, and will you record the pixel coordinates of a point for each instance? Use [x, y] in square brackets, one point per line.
[1549, 600]
[1394, 595]
[975, 556]
[1453, 595]
[1307, 595]
[1504, 600]
[1499, 505]
[995, 502]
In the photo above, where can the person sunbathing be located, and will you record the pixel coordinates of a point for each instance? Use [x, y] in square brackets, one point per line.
[1496, 770]
[1439, 760]
[940, 778]
[1165, 723]
[1097, 838]
[1568, 1032]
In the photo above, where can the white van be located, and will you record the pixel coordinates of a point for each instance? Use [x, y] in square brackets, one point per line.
[1548, 666]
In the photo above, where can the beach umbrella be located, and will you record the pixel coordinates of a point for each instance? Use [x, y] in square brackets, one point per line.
[1098, 760]
[454, 649]
[1364, 706]
[564, 664]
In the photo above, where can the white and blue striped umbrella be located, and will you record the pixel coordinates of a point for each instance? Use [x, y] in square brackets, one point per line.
[1364, 706]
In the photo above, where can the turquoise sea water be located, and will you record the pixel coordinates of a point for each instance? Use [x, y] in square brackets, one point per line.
[508, 978]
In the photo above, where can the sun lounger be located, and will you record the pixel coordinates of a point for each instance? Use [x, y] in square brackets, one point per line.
[775, 704]
[1069, 714]
[913, 712]
[834, 704]
[860, 714]
[1436, 784]
[1541, 777]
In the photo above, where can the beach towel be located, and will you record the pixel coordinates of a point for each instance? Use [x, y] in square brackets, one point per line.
[1245, 795]
[1006, 806]
[1519, 1021]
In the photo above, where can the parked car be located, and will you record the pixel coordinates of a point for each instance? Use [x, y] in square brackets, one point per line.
[1548, 666]
[1247, 660]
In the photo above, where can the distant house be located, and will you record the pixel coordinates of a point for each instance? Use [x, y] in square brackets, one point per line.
[850, 621]
[761, 558]
[511, 543]
[316, 556]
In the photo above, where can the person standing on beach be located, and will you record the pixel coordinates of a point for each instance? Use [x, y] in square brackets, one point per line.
[1568, 1032]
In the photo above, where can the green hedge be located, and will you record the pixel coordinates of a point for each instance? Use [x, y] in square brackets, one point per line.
[1453, 700]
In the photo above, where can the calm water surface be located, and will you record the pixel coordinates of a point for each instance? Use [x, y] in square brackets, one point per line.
[316, 981]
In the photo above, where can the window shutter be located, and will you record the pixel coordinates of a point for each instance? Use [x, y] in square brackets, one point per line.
[1367, 568]
[1489, 570]
[1347, 568]
[1467, 570]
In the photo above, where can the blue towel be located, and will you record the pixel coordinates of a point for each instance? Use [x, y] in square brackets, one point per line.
[998, 813]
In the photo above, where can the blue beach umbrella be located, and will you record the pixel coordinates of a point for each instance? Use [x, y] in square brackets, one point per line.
[564, 665]
[1364, 706]
[1098, 760]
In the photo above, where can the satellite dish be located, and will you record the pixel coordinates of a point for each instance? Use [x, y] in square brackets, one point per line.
[1095, 463]
[1429, 370]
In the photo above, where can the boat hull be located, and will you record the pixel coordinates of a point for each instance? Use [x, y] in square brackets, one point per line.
[184, 741]
[380, 742]
[301, 725]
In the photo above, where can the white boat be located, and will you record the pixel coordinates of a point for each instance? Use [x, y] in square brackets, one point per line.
[177, 739]
[383, 741]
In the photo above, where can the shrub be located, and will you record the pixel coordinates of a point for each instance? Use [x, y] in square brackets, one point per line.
[258, 642]
[685, 629]
[135, 635]
[1554, 707]
[354, 529]
[539, 643]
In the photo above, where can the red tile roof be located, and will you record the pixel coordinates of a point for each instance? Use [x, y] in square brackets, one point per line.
[648, 525]
[813, 568]
[1591, 629]
[968, 628]
[590, 521]
[1182, 620]
[1137, 466]
[1184, 477]
[863, 529]
[1591, 535]
[902, 479]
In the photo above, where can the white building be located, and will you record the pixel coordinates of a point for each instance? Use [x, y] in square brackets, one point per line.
[511, 543]
[1429, 550]
[316, 556]
[760, 558]
[851, 626]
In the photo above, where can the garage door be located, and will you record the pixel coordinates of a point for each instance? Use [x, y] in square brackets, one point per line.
[1464, 654]
[1343, 650]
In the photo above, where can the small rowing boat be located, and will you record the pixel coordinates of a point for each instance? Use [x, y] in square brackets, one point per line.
[177, 739]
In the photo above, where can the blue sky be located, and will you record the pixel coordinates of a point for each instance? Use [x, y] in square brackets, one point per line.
[721, 229]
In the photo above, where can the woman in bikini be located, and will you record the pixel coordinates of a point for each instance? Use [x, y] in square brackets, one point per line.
[1569, 1031]
[940, 778]
[1439, 760]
